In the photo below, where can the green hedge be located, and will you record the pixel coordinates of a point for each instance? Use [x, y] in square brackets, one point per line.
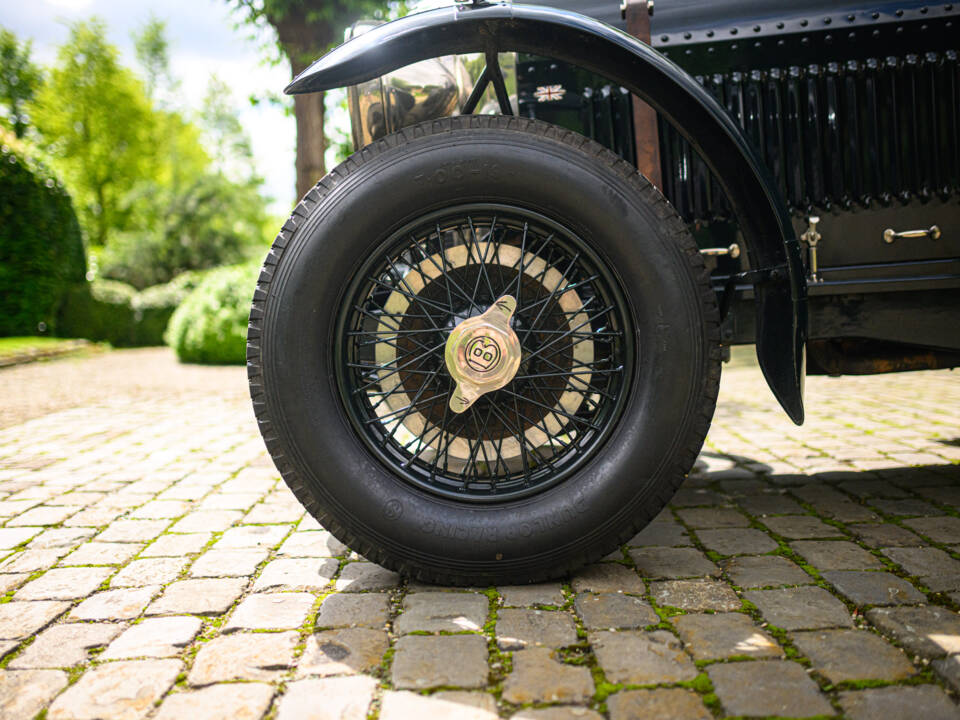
[115, 312]
[41, 248]
[210, 326]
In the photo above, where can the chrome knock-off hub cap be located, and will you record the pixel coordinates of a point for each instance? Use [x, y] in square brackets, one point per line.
[482, 353]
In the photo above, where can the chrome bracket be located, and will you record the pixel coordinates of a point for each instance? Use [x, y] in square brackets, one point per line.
[482, 353]
[733, 251]
[812, 238]
[889, 235]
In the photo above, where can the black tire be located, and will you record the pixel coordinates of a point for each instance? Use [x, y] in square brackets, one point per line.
[658, 417]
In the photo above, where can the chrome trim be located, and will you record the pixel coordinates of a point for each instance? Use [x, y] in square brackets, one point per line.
[932, 232]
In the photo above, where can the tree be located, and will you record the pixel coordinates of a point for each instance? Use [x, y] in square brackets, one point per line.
[97, 124]
[19, 80]
[226, 140]
[305, 30]
[153, 53]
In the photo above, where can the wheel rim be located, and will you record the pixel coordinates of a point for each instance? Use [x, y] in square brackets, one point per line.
[576, 341]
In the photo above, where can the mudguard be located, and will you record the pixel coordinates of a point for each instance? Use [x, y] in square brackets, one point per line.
[771, 243]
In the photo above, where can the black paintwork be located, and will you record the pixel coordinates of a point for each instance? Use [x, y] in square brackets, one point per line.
[763, 218]
[855, 109]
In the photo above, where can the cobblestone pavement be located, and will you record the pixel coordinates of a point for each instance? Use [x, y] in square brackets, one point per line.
[154, 566]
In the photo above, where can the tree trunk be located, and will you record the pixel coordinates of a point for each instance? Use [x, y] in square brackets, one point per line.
[311, 142]
[303, 40]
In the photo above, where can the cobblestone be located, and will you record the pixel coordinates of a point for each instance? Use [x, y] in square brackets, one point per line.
[694, 595]
[115, 604]
[898, 703]
[765, 571]
[271, 611]
[65, 645]
[362, 576]
[342, 652]
[724, 635]
[289, 574]
[519, 628]
[873, 588]
[227, 563]
[368, 610]
[801, 608]
[529, 595]
[24, 693]
[177, 545]
[538, 678]
[22, 619]
[613, 611]
[99, 553]
[843, 655]
[450, 705]
[203, 597]
[154, 637]
[64, 584]
[122, 690]
[243, 656]
[318, 543]
[436, 612]
[795, 527]
[441, 661]
[767, 688]
[167, 531]
[607, 577]
[737, 541]
[929, 631]
[344, 698]
[642, 658]
[660, 562]
[148, 572]
[673, 703]
[235, 701]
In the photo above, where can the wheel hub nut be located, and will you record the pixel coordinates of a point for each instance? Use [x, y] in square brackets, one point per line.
[482, 353]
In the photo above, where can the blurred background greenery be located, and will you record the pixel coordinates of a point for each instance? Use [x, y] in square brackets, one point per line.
[130, 217]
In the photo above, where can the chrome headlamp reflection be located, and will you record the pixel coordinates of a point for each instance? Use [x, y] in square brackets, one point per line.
[426, 90]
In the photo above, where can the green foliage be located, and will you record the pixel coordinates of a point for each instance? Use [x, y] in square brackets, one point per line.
[19, 80]
[152, 201]
[208, 223]
[41, 249]
[228, 144]
[101, 310]
[210, 326]
[116, 313]
[153, 53]
[97, 120]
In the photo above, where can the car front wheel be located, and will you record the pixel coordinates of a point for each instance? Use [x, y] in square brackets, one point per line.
[484, 350]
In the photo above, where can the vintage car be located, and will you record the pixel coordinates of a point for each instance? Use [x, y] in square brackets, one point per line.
[487, 347]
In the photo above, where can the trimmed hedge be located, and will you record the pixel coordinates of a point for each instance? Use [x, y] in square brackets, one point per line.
[210, 326]
[41, 248]
[115, 312]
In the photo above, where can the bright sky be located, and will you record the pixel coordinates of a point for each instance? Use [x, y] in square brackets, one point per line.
[203, 40]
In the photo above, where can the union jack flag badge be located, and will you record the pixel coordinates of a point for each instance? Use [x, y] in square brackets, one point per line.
[549, 93]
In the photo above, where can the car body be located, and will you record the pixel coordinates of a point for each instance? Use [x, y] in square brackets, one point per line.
[854, 109]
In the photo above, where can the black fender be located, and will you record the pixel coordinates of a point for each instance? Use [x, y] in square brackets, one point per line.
[771, 243]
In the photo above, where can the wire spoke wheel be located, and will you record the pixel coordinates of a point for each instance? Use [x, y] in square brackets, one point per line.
[576, 352]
